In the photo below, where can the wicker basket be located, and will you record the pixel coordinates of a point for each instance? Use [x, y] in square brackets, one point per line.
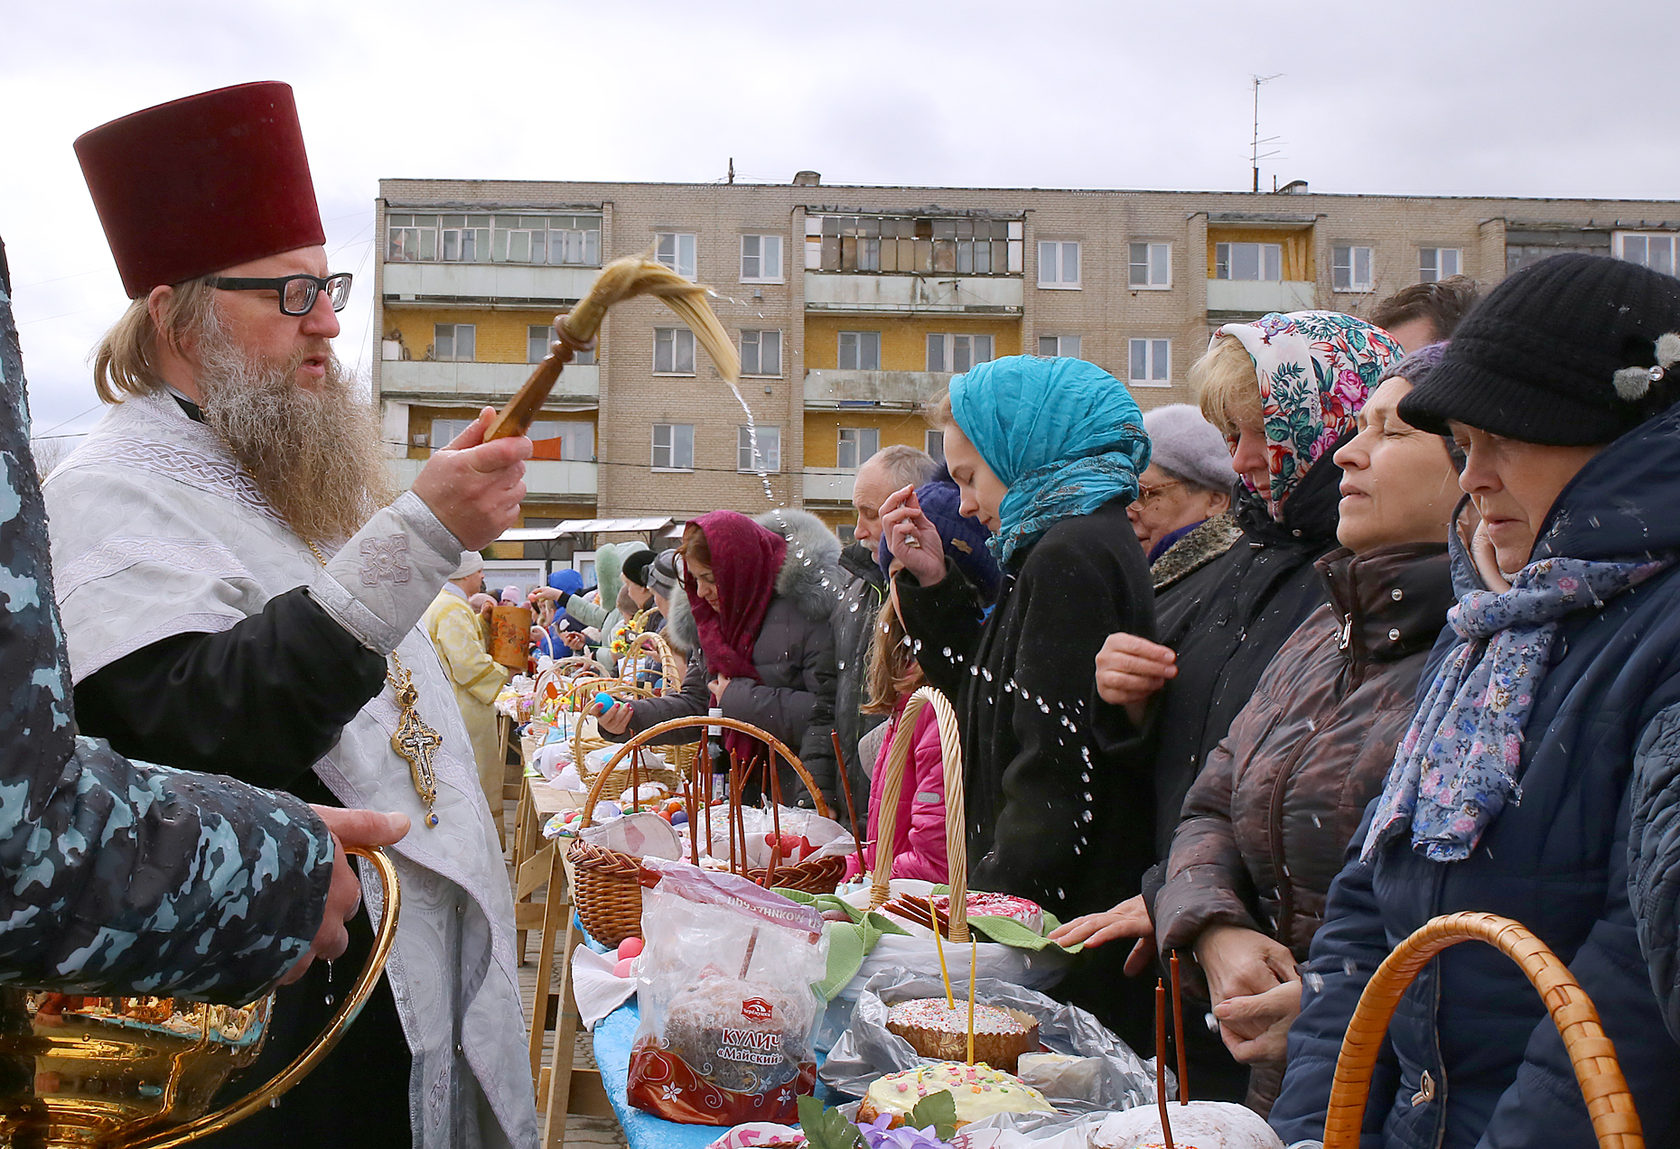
[623, 772]
[606, 884]
[1596, 1069]
[670, 666]
[956, 818]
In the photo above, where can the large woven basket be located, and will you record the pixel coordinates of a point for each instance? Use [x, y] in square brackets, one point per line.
[956, 817]
[606, 884]
[1597, 1071]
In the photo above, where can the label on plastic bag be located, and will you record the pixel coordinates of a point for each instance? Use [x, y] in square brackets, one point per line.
[707, 888]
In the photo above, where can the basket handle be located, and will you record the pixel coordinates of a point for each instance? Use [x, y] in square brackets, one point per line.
[670, 673]
[1597, 1071]
[687, 721]
[580, 696]
[956, 818]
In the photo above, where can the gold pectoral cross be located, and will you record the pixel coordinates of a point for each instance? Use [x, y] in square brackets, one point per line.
[414, 741]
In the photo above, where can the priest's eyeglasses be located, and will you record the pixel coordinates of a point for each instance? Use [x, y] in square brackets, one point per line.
[297, 292]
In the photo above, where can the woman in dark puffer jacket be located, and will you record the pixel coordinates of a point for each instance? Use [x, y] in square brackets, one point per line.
[1265, 826]
[1517, 788]
[760, 597]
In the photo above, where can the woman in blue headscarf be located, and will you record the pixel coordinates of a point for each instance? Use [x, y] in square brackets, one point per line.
[1046, 453]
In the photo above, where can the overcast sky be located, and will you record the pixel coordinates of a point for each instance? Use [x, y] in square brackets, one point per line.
[1434, 97]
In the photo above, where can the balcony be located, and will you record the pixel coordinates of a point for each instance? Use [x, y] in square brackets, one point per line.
[545, 479]
[901, 390]
[829, 486]
[929, 294]
[474, 384]
[486, 283]
[1249, 298]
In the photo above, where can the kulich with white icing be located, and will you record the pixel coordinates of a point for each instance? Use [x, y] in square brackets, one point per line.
[936, 1030]
[1198, 1125]
[986, 905]
[978, 1090]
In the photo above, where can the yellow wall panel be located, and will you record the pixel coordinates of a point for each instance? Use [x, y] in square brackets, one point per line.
[822, 431]
[1297, 248]
[903, 338]
[498, 336]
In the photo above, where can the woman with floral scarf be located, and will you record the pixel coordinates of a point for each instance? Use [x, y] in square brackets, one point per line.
[1045, 453]
[1538, 778]
[1286, 391]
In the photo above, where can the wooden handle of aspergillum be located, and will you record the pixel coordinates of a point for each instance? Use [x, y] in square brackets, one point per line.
[516, 418]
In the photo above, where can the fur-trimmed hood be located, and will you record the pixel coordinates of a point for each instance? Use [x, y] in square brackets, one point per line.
[811, 575]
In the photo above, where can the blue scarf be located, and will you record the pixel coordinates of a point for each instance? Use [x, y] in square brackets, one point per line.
[1063, 435]
[1458, 765]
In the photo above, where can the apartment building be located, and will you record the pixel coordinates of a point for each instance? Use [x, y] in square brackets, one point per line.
[852, 306]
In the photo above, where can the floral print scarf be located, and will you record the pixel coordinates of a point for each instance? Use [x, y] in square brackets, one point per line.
[1316, 369]
[1459, 762]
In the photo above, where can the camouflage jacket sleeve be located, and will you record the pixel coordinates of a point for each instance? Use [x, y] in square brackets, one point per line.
[115, 875]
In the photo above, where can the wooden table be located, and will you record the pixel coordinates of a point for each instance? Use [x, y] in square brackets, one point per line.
[540, 864]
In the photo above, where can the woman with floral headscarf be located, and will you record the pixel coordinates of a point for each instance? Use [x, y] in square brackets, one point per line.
[1286, 391]
[1046, 453]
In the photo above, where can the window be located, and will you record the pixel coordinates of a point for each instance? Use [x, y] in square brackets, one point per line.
[466, 238]
[1151, 266]
[1151, 363]
[914, 244]
[1250, 261]
[1350, 268]
[573, 439]
[537, 338]
[1063, 345]
[933, 443]
[856, 445]
[673, 446]
[673, 351]
[1654, 250]
[558, 239]
[1436, 263]
[676, 251]
[1058, 264]
[452, 342]
[761, 259]
[761, 352]
[769, 454]
[409, 238]
[957, 353]
[860, 351]
[445, 430]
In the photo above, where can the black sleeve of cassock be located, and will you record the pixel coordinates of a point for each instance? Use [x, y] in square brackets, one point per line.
[261, 701]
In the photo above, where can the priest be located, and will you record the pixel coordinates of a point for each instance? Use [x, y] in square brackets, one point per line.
[240, 591]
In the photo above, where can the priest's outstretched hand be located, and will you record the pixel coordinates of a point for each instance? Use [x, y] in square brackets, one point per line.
[354, 828]
[474, 487]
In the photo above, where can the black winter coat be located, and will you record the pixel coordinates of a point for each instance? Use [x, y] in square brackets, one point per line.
[1058, 810]
[1472, 1059]
[1226, 621]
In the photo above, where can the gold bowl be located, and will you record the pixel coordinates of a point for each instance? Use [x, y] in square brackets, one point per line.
[140, 1072]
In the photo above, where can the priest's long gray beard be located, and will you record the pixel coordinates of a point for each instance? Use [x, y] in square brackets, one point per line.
[314, 454]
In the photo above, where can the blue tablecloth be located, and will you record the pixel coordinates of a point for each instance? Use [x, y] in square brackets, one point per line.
[614, 1034]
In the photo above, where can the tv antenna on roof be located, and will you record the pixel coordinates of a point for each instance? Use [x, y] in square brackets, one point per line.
[1254, 153]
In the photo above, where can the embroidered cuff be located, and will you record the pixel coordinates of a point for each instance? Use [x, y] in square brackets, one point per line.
[380, 583]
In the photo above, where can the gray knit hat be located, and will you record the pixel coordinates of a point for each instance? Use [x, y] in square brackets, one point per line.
[1190, 447]
[661, 574]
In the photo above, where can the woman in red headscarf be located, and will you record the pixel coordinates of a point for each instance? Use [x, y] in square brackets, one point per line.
[760, 600]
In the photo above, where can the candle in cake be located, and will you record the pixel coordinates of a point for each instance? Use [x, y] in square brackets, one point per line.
[944, 973]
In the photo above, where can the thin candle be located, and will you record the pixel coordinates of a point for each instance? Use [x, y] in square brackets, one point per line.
[1178, 1035]
[944, 974]
[973, 970]
[1161, 1060]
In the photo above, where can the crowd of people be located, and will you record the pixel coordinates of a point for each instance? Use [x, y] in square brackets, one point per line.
[1383, 628]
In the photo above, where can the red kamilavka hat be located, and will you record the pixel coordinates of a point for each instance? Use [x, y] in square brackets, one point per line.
[201, 184]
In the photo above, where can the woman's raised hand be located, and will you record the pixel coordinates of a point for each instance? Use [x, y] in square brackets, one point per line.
[1131, 669]
[912, 539]
[1129, 919]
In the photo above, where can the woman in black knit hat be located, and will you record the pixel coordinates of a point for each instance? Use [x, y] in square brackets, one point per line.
[1540, 776]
